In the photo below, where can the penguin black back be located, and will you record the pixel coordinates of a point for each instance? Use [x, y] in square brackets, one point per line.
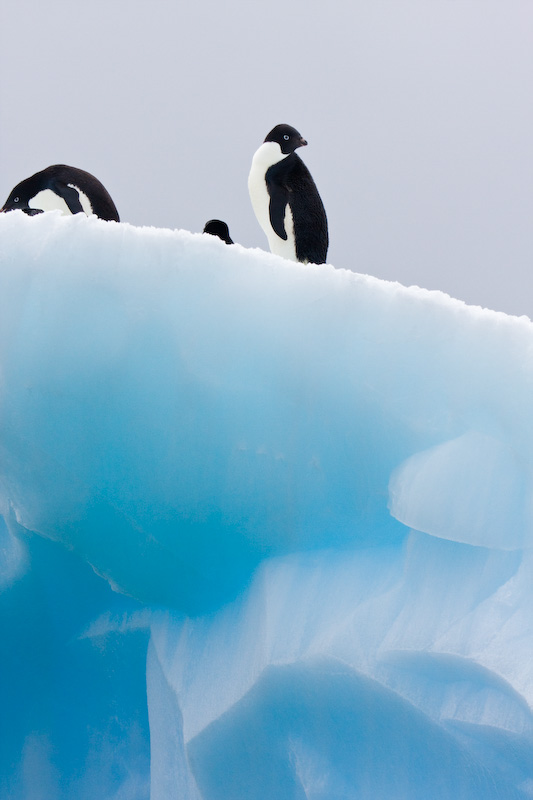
[290, 182]
[74, 189]
[218, 228]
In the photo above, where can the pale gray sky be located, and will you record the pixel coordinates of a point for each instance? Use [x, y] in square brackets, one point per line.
[419, 116]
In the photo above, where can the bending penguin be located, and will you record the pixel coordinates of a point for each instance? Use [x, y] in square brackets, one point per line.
[62, 188]
[216, 227]
[285, 199]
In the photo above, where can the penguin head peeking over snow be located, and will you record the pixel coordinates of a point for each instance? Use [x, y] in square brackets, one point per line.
[287, 137]
[216, 227]
[62, 188]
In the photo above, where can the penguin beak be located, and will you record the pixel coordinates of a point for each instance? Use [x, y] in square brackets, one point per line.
[303, 142]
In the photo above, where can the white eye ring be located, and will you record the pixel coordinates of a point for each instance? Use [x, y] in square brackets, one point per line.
[16, 199]
[286, 137]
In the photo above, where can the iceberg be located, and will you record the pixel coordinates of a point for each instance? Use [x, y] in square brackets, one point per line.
[266, 528]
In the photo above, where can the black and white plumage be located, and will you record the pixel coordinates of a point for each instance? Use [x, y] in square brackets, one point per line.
[285, 199]
[62, 188]
[218, 228]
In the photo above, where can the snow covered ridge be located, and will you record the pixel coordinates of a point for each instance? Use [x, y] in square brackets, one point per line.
[309, 488]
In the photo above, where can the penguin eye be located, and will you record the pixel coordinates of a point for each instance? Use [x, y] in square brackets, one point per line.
[286, 137]
[16, 199]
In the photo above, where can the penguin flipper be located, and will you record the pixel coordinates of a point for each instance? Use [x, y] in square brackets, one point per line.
[277, 206]
[69, 195]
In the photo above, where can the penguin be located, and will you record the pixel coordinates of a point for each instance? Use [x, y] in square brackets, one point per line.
[67, 189]
[285, 199]
[218, 228]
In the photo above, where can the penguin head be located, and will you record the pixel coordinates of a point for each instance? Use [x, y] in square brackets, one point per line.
[216, 227]
[20, 198]
[287, 137]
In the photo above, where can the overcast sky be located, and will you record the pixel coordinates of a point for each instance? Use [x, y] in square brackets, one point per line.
[418, 113]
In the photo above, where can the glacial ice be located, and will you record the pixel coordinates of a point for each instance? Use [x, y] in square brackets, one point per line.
[266, 528]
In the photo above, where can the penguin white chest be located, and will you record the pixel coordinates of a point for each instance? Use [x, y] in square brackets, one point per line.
[265, 157]
[47, 200]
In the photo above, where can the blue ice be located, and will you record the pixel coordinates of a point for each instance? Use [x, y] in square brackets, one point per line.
[266, 528]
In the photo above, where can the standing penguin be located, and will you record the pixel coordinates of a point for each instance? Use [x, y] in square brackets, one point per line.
[62, 188]
[285, 198]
